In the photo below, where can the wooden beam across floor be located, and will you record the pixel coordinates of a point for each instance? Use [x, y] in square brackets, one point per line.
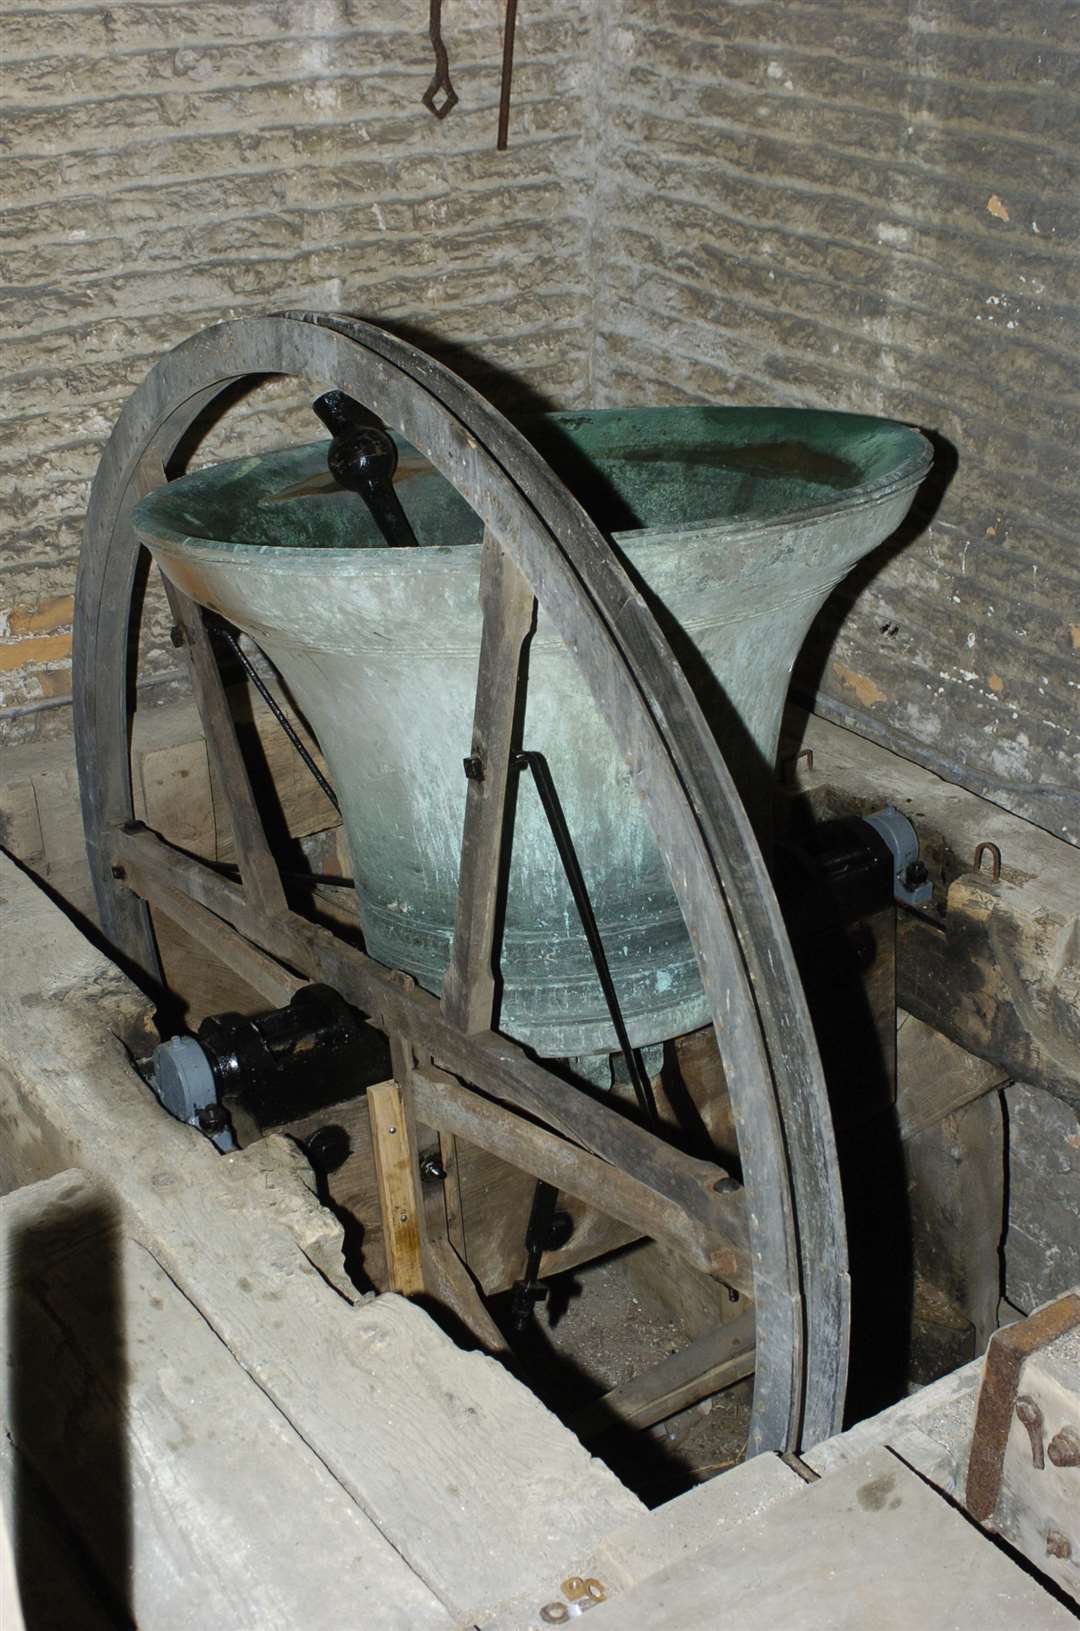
[994, 964]
[432, 1453]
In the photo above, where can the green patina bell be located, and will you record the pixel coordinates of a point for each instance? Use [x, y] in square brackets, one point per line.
[735, 523]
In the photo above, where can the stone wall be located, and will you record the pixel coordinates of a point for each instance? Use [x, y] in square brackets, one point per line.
[875, 207]
[168, 165]
[870, 207]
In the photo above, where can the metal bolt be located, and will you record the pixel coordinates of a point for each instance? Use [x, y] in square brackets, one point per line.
[727, 1185]
[1057, 1544]
[432, 1170]
[914, 875]
[474, 767]
[1031, 1418]
[1064, 1448]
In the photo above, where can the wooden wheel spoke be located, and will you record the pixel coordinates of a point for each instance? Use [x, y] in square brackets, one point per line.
[258, 869]
[712, 1362]
[662, 1192]
[469, 989]
[397, 1172]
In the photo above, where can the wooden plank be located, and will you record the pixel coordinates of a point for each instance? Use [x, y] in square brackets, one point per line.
[11, 1613]
[468, 993]
[1036, 1508]
[1007, 1358]
[57, 1584]
[708, 1225]
[450, 1283]
[1001, 974]
[393, 1143]
[935, 1076]
[263, 973]
[445, 1104]
[1002, 977]
[1044, 1213]
[141, 1423]
[705, 1366]
[498, 1198]
[450, 1155]
[494, 1201]
[668, 1534]
[955, 1177]
[695, 1301]
[227, 764]
[839, 1557]
[173, 795]
[438, 1447]
[697, 1518]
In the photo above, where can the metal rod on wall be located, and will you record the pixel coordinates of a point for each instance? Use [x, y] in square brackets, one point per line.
[509, 30]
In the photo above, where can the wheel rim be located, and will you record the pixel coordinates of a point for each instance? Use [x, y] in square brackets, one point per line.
[763, 1028]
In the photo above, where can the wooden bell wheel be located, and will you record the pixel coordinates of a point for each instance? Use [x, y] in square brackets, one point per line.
[779, 1236]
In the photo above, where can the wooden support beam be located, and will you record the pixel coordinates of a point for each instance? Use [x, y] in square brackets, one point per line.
[258, 868]
[468, 994]
[451, 1284]
[263, 973]
[450, 1157]
[706, 1223]
[444, 1104]
[97, 1337]
[999, 971]
[1002, 978]
[936, 1077]
[393, 1137]
[707, 1365]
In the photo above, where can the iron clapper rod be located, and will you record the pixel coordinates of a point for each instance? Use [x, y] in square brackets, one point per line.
[542, 1214]
[278, 712]
[549, 798]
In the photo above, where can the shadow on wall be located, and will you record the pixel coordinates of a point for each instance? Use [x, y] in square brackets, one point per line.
[67, 1415]
[811, 670]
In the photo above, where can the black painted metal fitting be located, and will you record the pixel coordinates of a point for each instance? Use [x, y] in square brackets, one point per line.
[328, 1148]
[432, 1170]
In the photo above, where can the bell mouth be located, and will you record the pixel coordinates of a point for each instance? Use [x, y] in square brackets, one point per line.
[733, 472]
[732, 524]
